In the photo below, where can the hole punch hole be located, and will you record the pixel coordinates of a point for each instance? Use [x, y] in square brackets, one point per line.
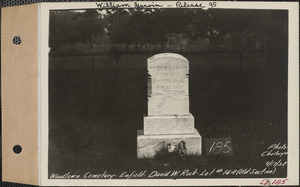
[17, 149]
[17, 40]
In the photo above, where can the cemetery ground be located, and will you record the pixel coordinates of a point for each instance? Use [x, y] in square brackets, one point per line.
[95, 111]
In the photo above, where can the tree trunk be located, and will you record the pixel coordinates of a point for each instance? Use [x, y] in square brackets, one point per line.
[127, 46]
[136, 47]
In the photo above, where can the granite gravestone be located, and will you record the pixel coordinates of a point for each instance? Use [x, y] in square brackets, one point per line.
[168, 124]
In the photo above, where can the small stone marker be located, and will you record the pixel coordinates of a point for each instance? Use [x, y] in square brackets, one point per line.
[169, 124]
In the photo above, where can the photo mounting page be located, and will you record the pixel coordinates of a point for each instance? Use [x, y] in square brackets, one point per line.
[201, 92]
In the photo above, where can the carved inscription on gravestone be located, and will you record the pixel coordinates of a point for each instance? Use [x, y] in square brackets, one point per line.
[168, 96]
[169, 122]
[168, 85]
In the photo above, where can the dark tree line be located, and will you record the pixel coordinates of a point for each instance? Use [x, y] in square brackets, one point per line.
[73, 26]
[238, 29]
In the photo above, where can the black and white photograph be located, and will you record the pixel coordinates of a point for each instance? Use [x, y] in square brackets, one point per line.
[152, 92]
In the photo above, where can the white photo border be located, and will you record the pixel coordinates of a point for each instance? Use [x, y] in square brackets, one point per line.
[293, 97]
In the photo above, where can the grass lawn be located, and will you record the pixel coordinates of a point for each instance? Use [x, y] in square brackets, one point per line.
[94, 117]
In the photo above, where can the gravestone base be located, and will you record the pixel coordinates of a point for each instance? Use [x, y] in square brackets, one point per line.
[159, 125]
[150, 146]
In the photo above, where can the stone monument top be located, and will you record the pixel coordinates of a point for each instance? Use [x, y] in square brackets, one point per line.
[168, 85]
[167, 55]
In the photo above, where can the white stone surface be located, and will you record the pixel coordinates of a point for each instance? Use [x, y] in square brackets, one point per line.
[149, 146]
[168, 85]
[169, 126]
[182, 124]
